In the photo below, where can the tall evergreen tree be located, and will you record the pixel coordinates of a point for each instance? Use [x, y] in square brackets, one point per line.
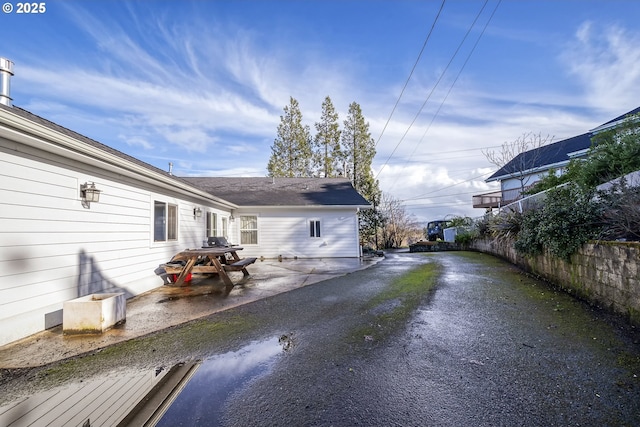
[327, 156]
[358, 152]
[359, 149]
[291, 150]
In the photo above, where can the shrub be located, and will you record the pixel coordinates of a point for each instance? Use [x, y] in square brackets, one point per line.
[504, 225]
[466, 238]
[460, 221]
[568, 218]
[621, 212]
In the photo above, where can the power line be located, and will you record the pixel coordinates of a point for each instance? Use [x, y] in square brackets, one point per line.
[448, 186]
[458, 75]
[424, 45]
[434, 87]
[462, 150]
[454, 82]
[457, 205]
[438, 111]
[466, 193]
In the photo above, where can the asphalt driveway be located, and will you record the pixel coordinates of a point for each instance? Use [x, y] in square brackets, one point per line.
[487, 346]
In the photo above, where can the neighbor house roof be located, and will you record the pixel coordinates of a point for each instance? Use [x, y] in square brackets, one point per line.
[543, 158]
[265, 191]
[615, 121]
[553, 155]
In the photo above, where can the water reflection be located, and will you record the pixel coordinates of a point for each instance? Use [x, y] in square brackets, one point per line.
[186, 395]
[201, 402]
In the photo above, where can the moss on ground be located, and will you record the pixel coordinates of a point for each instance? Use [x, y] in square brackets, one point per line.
[392, 307]
[191, 340]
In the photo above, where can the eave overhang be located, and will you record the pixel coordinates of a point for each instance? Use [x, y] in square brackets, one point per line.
[16, 128]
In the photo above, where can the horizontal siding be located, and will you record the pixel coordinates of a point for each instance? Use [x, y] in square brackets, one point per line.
[53, 249]
[52, 227]
[287, 234]
[28, 322]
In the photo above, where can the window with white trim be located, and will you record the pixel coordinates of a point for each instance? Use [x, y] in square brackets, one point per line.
[225, 228]
[249, 230]
[165, 221]
[314, 228]
[212, 224]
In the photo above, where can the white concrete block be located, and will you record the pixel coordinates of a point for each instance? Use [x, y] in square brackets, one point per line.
[93, 314]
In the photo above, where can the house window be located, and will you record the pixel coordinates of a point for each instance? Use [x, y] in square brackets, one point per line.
[248, 230]
[212, 224]
[165, 221]
[225, 228]
[314, 228]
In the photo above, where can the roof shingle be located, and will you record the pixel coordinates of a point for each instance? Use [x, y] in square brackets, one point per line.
[265, 191]
[550, 154]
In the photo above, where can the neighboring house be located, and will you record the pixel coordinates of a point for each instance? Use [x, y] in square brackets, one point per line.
[291, 217]
[529, 167]
[57, 245]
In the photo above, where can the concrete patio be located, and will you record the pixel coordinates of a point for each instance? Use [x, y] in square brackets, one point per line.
[168, 306]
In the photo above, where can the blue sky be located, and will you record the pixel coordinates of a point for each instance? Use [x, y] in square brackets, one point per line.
[203, 84]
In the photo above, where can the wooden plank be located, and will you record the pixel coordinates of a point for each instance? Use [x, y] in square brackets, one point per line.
[185, 271]
[197, 269]
[244, 262]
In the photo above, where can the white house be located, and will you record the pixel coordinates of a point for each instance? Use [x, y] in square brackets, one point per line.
[529, 167]
[291, 217]
[56, 244]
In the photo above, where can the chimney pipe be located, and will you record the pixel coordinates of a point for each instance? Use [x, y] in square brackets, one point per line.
[6, 71]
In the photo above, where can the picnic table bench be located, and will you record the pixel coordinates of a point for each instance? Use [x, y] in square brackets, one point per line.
[210, 260]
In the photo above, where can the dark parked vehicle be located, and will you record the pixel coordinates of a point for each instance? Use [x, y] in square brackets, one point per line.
[435, 229]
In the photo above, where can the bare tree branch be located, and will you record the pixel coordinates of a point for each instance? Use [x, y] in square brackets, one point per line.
[512, 155]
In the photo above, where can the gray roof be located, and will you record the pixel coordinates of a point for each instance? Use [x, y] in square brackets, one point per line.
[621, 117]
[540, 157]
[265, 191]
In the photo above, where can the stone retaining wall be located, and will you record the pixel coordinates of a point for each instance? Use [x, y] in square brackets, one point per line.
[604, 273]
[438, 246]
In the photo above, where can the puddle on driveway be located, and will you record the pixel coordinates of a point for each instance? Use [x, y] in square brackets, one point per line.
[191, 394]
[202, 400]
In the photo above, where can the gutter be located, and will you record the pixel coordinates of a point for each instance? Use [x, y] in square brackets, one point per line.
[336, 207]
[43, 138]
[528, 171]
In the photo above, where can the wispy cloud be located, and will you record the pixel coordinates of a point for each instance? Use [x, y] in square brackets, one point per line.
[606, 61]
[207, 94]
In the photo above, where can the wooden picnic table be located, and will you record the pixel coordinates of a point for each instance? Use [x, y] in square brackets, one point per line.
[210, 260]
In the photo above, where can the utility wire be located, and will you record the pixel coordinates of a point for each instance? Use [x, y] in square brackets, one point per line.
[466, 193]
[457, 76]
[420, 196]
[424, 45]
[462, 150]
[440, 107]
[434, 87]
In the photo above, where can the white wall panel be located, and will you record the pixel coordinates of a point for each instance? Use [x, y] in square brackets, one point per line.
[286, 233]
[53, 249]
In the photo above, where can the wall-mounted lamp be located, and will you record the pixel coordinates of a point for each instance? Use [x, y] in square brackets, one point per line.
[231, 217]
[197, 213]
[89, 193]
